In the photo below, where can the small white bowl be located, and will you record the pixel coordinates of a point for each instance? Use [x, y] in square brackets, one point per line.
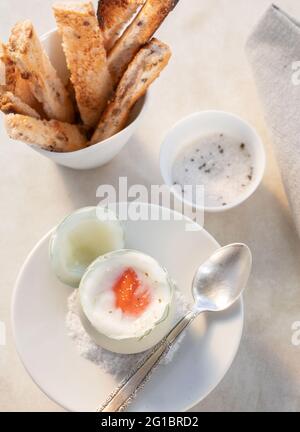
[203, 123]
[97, 154]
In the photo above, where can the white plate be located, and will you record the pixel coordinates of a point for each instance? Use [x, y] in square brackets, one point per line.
[50, 357]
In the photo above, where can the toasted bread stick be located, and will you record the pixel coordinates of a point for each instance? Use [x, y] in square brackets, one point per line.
[2, 66]
[23, 91]
[49, 135]
[11, 104]
[86, 58]
[113, 15]
[11, 81]
[26, 51]
[8, 70]
[142, 71]
[137, 34]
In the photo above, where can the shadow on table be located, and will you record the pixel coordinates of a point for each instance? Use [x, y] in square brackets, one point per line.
[265, 374]
[133, 162]
[259, 380]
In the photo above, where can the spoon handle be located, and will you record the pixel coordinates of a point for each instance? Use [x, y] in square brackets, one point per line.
[124, 394]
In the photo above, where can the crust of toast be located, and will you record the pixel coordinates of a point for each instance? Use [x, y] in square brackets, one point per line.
[113, 15]
[2, 66]
[49, 135]
[26, 51]
[8, 70]
[86, 58]
[137, 34]
[11, 104]
[142, 71]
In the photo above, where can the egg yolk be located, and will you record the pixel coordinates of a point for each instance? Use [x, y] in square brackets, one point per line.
[131, 297]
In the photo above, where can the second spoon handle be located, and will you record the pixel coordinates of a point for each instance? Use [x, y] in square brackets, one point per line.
[122, 396]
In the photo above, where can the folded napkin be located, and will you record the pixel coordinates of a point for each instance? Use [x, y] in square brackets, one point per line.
[274, 53]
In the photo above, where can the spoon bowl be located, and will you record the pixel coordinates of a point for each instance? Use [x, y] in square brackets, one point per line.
[220, 281]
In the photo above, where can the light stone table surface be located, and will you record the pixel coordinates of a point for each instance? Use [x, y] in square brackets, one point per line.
[208, 71]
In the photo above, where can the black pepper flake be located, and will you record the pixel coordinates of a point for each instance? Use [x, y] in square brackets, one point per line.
[221, 150]
[186, 170]
[221, 135]
[197, 151]
[224, 204]
[242, 146]
[250, 177]
[207, 171]
[192, 160]
[202, 166]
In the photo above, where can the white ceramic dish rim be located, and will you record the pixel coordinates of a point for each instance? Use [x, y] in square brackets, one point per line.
[57, 400]
[103, 143]
[250, 191]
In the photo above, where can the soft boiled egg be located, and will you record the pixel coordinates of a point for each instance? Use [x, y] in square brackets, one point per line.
[81, 238]
[126, 299]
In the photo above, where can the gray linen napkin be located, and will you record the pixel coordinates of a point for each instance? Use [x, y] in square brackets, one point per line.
[274, 53]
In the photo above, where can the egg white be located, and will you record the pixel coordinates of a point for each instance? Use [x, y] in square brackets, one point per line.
[97, 297]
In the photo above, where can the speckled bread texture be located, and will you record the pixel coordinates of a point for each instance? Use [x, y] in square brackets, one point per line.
[86, 58]
[137, 34]
[26, 51]
[9, 103]
[11, 80]
[51, 135]
[142, 71]
[113, 15]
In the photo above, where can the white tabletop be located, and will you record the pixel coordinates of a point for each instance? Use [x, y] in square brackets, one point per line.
[208, 71]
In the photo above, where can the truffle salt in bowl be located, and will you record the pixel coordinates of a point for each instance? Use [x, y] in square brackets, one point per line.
[217, 151]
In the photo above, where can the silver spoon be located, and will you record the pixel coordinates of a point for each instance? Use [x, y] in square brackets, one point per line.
[217, 284]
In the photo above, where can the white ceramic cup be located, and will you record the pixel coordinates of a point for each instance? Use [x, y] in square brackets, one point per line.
[98, 154]
[209, 122]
